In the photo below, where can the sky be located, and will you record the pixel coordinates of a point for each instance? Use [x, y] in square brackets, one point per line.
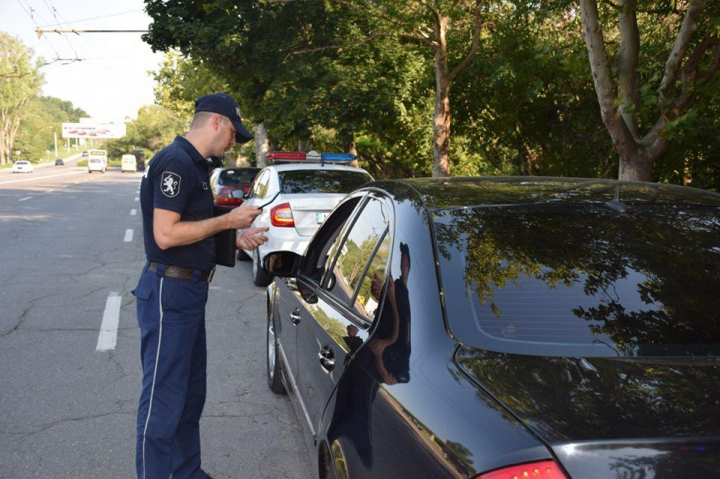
[111, 81]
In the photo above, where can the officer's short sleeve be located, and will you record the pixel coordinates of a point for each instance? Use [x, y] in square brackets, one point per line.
[172, 186]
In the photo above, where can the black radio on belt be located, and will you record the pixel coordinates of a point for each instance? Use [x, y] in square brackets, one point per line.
[225, 241]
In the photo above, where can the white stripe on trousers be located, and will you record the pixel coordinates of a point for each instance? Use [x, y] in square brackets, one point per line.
[152, 389]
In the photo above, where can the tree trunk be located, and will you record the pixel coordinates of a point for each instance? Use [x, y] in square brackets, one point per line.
[351, 148]
[441, 117]
[261, 145]
[637, 169]
[4, 130]
[638, 153]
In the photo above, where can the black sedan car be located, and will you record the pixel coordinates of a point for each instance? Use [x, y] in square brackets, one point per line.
[59, 162]
[505, 328]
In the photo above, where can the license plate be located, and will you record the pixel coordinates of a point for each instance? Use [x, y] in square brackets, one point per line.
[320, 217]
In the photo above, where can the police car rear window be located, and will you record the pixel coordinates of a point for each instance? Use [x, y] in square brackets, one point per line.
[321, 181]
[237, 177]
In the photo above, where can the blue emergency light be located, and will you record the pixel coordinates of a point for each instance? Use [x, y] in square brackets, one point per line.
[337, 157]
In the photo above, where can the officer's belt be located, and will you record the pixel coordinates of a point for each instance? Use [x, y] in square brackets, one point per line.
[181, 272]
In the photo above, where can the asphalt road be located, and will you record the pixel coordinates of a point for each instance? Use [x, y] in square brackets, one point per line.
[71, 249]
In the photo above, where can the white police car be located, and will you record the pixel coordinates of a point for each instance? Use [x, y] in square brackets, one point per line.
[296, 197]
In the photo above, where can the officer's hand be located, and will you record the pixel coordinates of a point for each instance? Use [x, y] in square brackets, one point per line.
[251, 238]
[242, 216]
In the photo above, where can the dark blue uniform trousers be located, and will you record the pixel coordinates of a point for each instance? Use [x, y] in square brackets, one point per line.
[171, 314]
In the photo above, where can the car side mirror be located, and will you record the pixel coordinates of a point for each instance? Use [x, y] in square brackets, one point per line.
[247, 195]
[238, 194]
[283, 264]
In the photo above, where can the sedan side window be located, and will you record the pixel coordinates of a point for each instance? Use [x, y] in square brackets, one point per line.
[365, 240]
[367, 297]
[324, 245]
[261, 185]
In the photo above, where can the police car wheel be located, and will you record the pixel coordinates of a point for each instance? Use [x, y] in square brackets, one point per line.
[273, 365]
[260, 277]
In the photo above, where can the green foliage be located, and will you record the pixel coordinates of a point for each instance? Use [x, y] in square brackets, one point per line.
[44, 117]
[154, 128]
[331, 73]
[20, 81]
[181, 80]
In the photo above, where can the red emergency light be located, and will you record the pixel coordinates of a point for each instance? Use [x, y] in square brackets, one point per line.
[287, 155]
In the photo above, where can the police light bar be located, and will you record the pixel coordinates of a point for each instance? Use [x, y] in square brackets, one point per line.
[311, 156]
[287, 155]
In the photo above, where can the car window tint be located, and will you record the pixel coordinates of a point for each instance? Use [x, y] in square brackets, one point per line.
[355, 252]
[236, 177]
[368, 296]
[321, 181]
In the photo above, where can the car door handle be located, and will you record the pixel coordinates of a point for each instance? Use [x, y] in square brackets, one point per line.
[327, 358]
[295, 316]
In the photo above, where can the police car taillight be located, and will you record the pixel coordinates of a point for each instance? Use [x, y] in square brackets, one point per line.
[282, 216]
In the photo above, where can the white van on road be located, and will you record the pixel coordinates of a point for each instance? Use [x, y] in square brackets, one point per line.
[97, 161]
[129, 163]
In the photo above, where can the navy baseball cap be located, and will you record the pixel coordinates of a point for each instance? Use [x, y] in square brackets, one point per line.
[225, 106]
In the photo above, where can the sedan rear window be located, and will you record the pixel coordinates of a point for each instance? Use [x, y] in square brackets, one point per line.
[321, 181]
[237, 177]
[583, 279]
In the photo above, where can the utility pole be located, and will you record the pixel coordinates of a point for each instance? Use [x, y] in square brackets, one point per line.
[56, 144]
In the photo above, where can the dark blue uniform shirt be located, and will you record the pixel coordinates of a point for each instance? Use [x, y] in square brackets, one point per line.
[177, 179]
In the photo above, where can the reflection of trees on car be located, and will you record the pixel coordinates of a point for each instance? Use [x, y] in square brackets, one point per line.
[662, 398]
[651, 274]
[383, 360]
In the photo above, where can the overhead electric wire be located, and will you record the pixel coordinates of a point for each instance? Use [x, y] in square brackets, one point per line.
[30, 14]
[54, 13]
[93, 18]
[61, 21]
[86, 45]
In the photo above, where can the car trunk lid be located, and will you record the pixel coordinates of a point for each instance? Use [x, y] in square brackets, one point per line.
[605, 417]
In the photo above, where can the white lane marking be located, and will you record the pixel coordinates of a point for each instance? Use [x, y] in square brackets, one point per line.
[137, 198]
[133, 212]
[66, 256]
[26, 198]
[39, 178]
[107, 340]
[128, 235]
[49, 191]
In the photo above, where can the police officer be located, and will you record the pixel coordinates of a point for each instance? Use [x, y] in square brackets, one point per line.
[178, 228]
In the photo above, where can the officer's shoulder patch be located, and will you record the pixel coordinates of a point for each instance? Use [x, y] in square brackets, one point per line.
[170, 184]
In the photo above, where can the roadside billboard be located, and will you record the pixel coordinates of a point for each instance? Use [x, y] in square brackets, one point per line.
[93, 130]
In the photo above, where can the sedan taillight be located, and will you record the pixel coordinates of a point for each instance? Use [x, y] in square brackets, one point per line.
[531, 470]
[282, 216]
